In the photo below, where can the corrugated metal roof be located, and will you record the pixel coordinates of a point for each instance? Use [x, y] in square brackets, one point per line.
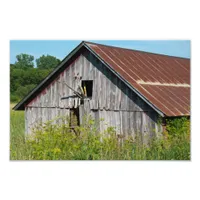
[162, 80]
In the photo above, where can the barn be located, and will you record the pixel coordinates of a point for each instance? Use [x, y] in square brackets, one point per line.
[129, 89]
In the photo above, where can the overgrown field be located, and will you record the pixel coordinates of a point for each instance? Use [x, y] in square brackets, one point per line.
[58, 142]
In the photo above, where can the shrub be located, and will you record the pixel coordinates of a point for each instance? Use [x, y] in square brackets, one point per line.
[51, 141]
[22, 91]
[14, 98]
[178, 126]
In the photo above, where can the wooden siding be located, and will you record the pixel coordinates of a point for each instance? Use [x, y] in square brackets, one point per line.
[109, 92]
[36, 115]
[112, 100]
[125, 122]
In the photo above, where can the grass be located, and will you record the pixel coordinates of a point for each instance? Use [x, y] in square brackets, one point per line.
[57, 142]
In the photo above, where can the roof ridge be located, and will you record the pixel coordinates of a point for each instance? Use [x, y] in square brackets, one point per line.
[85, 42]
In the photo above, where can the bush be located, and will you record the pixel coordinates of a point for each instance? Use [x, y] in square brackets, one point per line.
[178, 126]
[51, 141]
[23, 80]
[22, 91]
[14, 98]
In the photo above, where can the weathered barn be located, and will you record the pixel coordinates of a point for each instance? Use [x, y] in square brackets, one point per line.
[129, 89]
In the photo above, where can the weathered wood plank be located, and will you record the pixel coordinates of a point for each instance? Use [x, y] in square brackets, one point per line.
[81, 113]
[113, 82]
[90, 68]
[108, 75]
[131, 124]
[117, 121]
[123, 97]
[99, 87]
[95, 89]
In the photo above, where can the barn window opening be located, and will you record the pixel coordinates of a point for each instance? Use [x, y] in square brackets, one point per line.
[87, 88]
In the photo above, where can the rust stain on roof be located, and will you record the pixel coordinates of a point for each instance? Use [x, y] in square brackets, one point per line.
[162, 80]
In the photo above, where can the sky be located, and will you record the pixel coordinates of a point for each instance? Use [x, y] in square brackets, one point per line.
[60, 48]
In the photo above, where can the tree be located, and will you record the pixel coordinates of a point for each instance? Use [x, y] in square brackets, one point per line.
[22, 91]
[24, 61]
[47, 62]
[16, 79]
[22, 81]
[23, 75]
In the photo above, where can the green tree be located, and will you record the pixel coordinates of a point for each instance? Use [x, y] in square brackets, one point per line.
[22, 81]
[47, 62]
[24, 61]
[22, 91]
[16, 79]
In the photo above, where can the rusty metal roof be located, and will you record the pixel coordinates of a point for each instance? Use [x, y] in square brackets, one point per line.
[163, 80]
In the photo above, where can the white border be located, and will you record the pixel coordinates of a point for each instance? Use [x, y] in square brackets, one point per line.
[98, 20]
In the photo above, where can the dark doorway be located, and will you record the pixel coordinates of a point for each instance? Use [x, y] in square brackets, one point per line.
[74, 117]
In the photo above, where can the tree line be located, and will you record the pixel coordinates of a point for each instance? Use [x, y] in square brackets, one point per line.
[24, 76]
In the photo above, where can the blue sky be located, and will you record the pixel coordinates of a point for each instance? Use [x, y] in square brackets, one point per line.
[60, 48]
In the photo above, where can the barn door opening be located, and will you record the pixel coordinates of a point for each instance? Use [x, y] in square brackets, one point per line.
[74, 117]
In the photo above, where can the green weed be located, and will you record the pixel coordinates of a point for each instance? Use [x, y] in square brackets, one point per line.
[59, 142]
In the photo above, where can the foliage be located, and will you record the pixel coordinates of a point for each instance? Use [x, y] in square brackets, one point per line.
[22, 91]
[24, 61]
[17, 139]
[47, 62]
[14, 98]
[23, 75]
[22, 81]
[178, 126]
[52, 141]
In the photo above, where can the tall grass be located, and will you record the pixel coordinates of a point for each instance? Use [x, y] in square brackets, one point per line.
[58, 142]
[17, 137]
